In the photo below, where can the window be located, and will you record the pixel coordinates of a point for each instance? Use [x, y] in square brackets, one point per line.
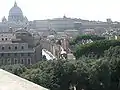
[2, 39]
[0, 61]
[22, 47]
[2, 48]
[22, 61]
[15, 47]
[28, 54]
[15, 54]
[15, 61]
[22, 54]
[8, 54]
[8, 61]
[2, 54]
[3, 61]
[29, 61]
[9, 48]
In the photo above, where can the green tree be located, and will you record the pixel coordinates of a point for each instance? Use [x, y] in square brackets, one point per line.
[113, 55]
[42, 74]
[95, 49]
[79, 38]
[100, 75]
[17, 69]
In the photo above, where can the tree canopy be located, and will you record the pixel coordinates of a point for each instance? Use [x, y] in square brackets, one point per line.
[86, 37]
[96, 48]
[16, 69]
[85, 73]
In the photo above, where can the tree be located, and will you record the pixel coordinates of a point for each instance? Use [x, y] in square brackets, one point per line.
[42, 74]
[113, 55]
[59, 74]
[96, 48]
[81, 74]
[100, 75]
[17, 69]
[86, 37]
[84, 73]
[56, 75]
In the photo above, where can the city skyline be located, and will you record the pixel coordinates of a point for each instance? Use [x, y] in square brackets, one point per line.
[48, 9]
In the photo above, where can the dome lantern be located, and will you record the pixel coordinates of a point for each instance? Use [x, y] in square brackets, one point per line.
[15, 4]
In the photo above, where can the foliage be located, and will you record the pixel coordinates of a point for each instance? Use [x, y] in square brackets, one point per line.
[96, 48]
[84, 73]
[113, 52]
[113, 55]
[17, 69]
[60, 75]
[50, 74]
[100, 75]
[86, 37]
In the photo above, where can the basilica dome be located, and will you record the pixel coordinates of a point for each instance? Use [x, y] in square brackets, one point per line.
[15, 10]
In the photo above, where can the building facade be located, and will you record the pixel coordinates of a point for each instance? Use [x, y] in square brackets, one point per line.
[15, 48]
[16, 19]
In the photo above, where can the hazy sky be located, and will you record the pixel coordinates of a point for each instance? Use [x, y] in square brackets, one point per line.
[46, 9]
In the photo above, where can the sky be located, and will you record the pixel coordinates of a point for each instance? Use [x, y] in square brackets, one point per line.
[48, 9]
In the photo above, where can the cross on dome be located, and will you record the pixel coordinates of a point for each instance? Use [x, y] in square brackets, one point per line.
[15, 4]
